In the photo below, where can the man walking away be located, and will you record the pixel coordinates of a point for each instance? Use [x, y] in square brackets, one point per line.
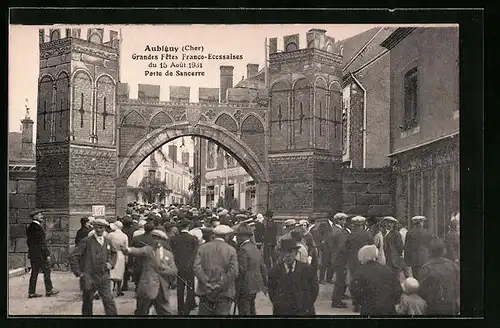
[252, 276]
[216, 268]
[93, 259]
[417, 241]
[184, 247]
[270, 235]
[39, 256]
[292, 285]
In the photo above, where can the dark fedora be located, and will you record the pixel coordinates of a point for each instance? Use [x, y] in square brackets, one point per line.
[243, 229]
[288, 245]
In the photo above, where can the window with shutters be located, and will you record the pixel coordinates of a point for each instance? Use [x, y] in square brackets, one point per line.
[411, 110]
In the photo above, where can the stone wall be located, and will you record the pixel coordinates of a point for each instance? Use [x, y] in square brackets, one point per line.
[22, 189]
[368, 192]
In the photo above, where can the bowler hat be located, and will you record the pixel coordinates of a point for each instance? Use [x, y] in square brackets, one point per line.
[288, 245]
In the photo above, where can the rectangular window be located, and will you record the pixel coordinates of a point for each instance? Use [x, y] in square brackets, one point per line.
[411, 112]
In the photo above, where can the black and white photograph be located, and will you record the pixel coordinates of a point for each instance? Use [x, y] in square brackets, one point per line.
[283, 170]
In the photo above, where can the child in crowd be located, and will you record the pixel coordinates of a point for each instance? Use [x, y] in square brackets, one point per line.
[411, 303]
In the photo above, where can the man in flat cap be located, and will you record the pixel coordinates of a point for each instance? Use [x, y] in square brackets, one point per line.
[332, 236]
[416, 245]
[93, 259]
[39, 255]
[252, 276]
[358, 238]
[216, 268]
[158, 268]
[289, 226]
[393, 245]
[184, 247]
[292, 285]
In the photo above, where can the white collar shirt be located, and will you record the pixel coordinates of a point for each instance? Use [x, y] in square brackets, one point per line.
[100, 239]
[286, 267]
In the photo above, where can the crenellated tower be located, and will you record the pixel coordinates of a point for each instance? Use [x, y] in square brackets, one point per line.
[76, 129]
[304, 124]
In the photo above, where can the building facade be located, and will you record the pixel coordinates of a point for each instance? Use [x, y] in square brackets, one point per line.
[177, 176]
[424, 123]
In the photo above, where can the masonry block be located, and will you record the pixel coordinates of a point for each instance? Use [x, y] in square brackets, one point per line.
[367, 199]
[19, 201]
[385, 199]
[368, 177]
[12, 244]
[349, 198]
[26, 187]
[21, 245]
[379, 188]
[17, 260]
[179, 93]
[380, 210]
[208, 95]
[356, 209]
[355, 187]
[13, 186]
[31, 202]
[237, 95]
[17, 231]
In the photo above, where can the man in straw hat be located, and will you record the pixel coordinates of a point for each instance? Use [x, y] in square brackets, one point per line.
[252, 276]
[292, 285]
[158, 267]
[416, 245]
[93, 259]
[216, 268]
[39, 255]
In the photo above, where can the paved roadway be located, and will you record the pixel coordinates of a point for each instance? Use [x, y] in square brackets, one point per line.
[68, 301]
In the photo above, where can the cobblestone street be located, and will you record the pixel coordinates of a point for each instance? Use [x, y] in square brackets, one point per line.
[68, 301]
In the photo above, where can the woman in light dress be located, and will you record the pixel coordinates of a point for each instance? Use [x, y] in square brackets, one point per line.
[119, 239]
[378, 241]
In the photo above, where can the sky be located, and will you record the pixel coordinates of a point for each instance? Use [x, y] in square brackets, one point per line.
[245, 40]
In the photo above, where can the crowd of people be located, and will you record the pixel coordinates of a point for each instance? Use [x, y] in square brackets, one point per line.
[217, 257]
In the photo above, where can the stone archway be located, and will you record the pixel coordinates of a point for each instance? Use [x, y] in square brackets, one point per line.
[227, 140]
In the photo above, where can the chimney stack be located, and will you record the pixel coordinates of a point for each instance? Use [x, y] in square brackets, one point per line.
[27, 136]
[226, 81]
[252, 70]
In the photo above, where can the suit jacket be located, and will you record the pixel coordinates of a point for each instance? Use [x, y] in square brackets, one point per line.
[252, 276]
[37, 244]
[82, 233]
[216, 262]
[259, 232]
[89, 259]
[416, 246]
[376, 289]
[293, 294]
[393, 249]
[353, 244]
[155, 272]
[184, 248]
[271, 232]
[332, 242]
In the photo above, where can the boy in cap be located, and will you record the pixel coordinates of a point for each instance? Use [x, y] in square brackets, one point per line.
[292, 285]
[216, 268]
[93, 259]
[158, 268]
[39, 255]
[411, 303]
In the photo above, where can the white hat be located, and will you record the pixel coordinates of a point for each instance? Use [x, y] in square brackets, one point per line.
[290, 222]
[100, 222]
[223, 212]
[367, 253]
[119, 225]
[410, 285]
[418, 218]
[222, 229]
[301, 222]
[260, 217]
[91, 219]
[112, 226]
[159, 233]
[340, 215]
[389, 218]
[358, 219]
[142, 223]
[197, 232]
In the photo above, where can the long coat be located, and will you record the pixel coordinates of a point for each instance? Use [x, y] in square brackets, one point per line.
[375, 289]
[37, 245]
[89, 259]
[216, 262]
[416, 246]
[332, 241]
[440, 286]
[293, 294]
[156, 271]
[393, 249]
[184, 246]
[252, 276]
[118, 239]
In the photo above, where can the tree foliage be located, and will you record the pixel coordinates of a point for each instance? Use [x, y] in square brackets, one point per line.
[195, 189]
[154, 187]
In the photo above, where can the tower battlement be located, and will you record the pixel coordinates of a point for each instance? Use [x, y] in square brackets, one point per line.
[180, 95]
[95, 36]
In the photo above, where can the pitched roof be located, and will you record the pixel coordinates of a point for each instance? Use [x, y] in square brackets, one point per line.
[255, 82]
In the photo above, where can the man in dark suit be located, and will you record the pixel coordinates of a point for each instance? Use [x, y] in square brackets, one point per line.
[184, 246]
[393, 245]
[135, 263]
[92, 259]
[416, 252]
[39, 256]
[252, 276]
[292, 285]
[270, 239]
[84, 230]
[331, 238]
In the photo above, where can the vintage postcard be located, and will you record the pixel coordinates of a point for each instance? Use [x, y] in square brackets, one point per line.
[204, 170]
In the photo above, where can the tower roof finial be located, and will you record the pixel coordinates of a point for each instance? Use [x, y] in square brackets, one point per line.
[27, 109]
